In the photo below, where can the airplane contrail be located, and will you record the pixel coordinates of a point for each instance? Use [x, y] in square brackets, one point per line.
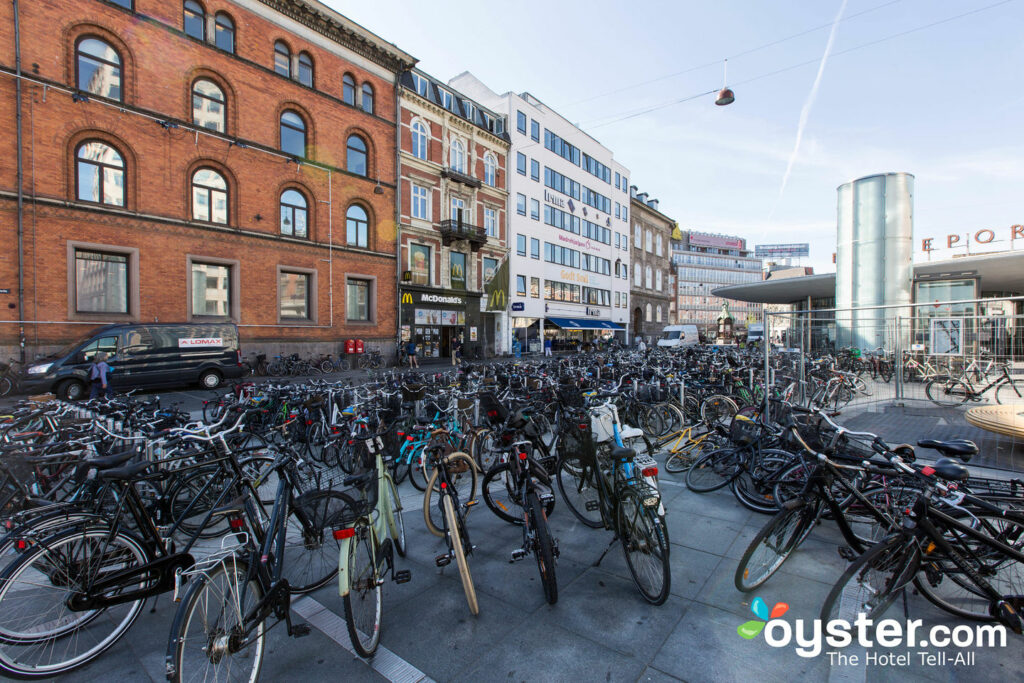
[806, 111]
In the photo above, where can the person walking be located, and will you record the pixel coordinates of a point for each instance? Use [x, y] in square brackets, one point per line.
[547, 346]
[456, 349]
[99, 377]
[641, 346]
[410, 351]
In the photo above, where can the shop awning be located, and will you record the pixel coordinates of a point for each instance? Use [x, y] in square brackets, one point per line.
[583, 324]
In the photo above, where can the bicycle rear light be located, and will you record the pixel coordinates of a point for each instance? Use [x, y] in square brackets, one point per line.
[340, 534]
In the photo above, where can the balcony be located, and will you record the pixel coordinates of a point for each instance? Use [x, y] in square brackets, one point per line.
[458, 177]
[453, 231]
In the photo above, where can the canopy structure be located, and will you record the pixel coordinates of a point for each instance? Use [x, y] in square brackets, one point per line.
[584, 324]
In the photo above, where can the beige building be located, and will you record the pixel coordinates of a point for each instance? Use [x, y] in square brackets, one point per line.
[652, 284]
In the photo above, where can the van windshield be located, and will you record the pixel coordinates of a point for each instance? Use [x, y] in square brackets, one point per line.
[671, 334]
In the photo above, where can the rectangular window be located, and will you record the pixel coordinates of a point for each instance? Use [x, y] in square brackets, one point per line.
[447, 99]
[625, 212]
[637, 281]
[520, 163]
[521, 122]
[616, 209]
[649, 241]
[293, 295]
[419, 203]
[521, 245]
[421, 84]
[535, 287]
[101, 282]
[534, 170]
[357, 300]
[617, 177]
[521, 204]
[211, 290]
[457, 269]
[535, 209]
[521, 285]
[657, 244]
[490, 268]
[534, 130]
[419, 263]
[638, 237]
[534, 248]
[491, 222]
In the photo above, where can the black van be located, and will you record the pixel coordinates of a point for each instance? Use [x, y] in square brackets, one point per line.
[141, 357]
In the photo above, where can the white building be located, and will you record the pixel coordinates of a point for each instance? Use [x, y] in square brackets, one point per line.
[569, 247]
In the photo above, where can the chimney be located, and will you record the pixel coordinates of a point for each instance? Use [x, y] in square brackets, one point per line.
[632, 191]
[642, 197]
[653, 203]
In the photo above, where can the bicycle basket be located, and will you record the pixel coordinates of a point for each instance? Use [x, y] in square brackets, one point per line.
[570, 396]
[413, 392]
[743, 431]
[493, 410]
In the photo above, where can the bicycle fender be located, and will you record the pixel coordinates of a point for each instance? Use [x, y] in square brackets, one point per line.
[343, 577]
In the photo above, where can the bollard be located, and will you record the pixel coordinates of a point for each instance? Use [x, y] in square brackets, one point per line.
[476, 410]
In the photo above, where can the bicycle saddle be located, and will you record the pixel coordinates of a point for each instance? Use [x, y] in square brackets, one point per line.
[125, 473]
[620, 453]
[946, 469]
[107, 461]
[961, 448]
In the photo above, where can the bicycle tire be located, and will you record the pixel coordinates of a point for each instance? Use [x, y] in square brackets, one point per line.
[397, 522]
[455, 534]
[364, 595]
[545, 548]
[772, 546]
[754, 486]
[577, 482]
[1009, 392]
[643, 541]
[222, 584]
[6, 386]
[311, 551]
[499, 494]
[682, 460]
[18, 633]
[894, 560]
[718, 409]
[435, 524]
[946, 392]
[714, 470]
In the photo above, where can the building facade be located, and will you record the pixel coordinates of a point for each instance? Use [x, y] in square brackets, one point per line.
[568, 280]
[652, 290]
[704, 262]
[198, 161]
[453, 173]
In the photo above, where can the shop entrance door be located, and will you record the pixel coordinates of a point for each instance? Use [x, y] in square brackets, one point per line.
[447, 335]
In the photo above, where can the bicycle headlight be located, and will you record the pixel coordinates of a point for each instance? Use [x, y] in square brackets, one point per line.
[39, 369]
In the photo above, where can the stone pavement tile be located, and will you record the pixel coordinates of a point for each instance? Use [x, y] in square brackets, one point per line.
[652, 675]
[691, 570]
[705, 647]
[519, 583]
[638, 627]
[537, 655]
[746, 535]
[719, 504]
[706, 534]
[437, 634]
[803, 596]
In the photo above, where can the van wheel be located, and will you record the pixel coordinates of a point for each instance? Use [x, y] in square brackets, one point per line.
[210, 379]
[71, 390]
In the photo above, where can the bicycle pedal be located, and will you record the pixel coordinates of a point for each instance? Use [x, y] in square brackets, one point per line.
[593, 505]
[402, 576]
[470, 503]
[517, 554]
[299, 630]
[442, 560]
[846, 552]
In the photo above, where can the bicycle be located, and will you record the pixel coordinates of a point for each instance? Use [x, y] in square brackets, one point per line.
[10, 377]
[454, 521]
[949, 391]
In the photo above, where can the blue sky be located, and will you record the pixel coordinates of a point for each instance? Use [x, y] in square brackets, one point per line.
[943, 103]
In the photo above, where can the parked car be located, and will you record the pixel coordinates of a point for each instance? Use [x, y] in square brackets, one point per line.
[673, 336]
[143, 356]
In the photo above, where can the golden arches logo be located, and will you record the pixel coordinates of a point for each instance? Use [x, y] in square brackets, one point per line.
[406, 298]
[457, 270]
[498, 299]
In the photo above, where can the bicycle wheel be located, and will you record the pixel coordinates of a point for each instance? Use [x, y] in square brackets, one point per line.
[461, 477]
[311, 551]
[1009, 392]
[326, 366]
[644, 545]
[364, 599]
[873, 582]
[577, 482]
[397, 523]
[455, 535]
[5, 386]
[40, 634]
[213, 410]
[714, 470]
[544, 549]
[683, 459]
[773, 545]
[718, 409]
[946, 586]
[755, 485]
[500, 494]
[208, 638]
[415, 471]
[943, 391]
[485, 450]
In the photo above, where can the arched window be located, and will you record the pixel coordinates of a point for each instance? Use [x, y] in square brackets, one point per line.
[457, 156]
[99, 169]
[355, 158]
[282, 59]
[647, 313]
[490, 169]
[293, 134]
[657, 314]
[209, 196]
[356, 226]
[348, 89]
[294, 214]
[195, 20]
[420, 140]
[99, 68]
[305, 69]
[648, 278]
[224, 33]
[367, 98]
[209, 108]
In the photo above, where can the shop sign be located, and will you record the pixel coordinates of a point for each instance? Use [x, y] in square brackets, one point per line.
[594, 311]
[553, 199]
[983, 236]
[423, 298]
[518, 306]
[573, 276]
[472, 333]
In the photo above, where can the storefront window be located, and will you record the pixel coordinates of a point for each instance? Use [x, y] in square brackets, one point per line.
[419, 264]
[458, 270]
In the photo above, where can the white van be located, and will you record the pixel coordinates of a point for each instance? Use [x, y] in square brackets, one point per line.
[755, 333]
[673, 336]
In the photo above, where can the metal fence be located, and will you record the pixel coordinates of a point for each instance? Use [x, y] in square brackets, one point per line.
[942, 370]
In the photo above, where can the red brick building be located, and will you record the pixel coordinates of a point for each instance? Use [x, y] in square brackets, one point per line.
[197, 160]
[453, 161]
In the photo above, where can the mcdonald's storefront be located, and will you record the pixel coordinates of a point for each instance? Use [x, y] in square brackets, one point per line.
[434, 317]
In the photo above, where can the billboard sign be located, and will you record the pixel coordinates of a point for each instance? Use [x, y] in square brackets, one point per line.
[700, 239]
[782, 250]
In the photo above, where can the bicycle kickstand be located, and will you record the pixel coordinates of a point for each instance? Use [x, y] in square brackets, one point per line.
[598, 563]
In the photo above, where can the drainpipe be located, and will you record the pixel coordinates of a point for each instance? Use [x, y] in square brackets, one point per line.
[21, 182]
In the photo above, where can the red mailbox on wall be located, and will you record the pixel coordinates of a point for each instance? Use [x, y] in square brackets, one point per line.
[359, 345]
[350, 346]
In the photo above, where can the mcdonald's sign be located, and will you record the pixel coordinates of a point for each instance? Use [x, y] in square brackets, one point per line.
[497, 300]
[497, 288]
[406, 297]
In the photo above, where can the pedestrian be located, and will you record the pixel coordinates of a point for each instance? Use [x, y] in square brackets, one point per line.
[547, 346]
[641, 346]
[456, 349]
[410, 350]
[99, 376]
[638, 340]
